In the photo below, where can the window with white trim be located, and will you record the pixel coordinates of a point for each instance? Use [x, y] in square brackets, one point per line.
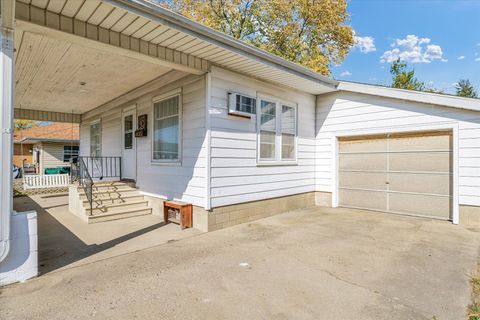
[277, 131]
[70, 152]
[96, 139]
[240, 104]
[288, 132]
[268, 129]
[166, 129]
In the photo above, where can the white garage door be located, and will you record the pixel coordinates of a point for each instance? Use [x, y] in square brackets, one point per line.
[407, 173]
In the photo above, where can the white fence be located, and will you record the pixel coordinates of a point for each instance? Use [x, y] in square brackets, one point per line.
[46, 181]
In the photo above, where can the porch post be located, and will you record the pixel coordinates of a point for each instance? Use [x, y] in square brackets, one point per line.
[7, 12]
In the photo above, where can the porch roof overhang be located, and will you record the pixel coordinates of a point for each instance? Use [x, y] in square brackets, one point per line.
[136, 32]
[36, 140]
[227, 52]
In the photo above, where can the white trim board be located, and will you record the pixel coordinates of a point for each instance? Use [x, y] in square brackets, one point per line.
[410, 95]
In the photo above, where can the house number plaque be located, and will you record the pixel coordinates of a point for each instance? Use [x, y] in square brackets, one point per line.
[141, 126]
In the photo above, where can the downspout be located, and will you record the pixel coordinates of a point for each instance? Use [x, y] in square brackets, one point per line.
[208, 93]
[315, 148]
[7, 12]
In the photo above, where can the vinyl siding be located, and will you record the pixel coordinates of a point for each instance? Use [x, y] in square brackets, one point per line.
[183, 181]
[52, 155]
[235, 175]
[343, 111]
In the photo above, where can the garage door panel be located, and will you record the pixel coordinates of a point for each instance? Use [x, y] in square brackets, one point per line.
[362, 145]
[420, 161]
[423, 205]
[373, 200]
[364, 180]
[412, 175]
[420, 142]
[356, 161]
[420, 183]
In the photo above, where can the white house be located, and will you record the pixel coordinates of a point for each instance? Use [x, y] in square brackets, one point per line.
[237, 132]
[46, 147]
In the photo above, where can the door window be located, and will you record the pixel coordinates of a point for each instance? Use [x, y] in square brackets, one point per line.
[128, 132]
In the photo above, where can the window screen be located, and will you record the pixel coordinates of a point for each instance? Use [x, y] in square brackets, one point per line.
[166, 129]
[95, 140]
[267, 129]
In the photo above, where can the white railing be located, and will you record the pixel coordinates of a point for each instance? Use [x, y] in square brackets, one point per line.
[45, 181]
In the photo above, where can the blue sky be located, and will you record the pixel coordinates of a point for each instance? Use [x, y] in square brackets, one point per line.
[440, 39]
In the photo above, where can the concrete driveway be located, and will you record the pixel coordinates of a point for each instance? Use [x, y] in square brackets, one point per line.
[309, 264]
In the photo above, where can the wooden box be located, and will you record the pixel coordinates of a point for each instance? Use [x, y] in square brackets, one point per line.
[185, 215]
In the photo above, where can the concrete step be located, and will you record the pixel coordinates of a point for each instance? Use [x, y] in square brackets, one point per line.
[106, 185]
[142, 204]
[121, 213]
[107, 189]
[111, 194]
[120, 200]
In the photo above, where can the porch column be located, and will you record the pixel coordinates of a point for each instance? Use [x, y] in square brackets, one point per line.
[7, 12]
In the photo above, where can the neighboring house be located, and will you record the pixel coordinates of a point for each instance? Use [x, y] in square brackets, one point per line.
[47, 146]
[234, 130]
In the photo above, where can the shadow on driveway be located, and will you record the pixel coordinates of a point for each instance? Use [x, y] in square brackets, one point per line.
[65, 240]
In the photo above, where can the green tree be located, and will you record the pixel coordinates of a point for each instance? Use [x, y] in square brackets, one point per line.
[403, 78]
[465, 89]
[312, 33]
[25, 124]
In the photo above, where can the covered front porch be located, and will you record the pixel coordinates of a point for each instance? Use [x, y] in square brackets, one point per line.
[72, 61]
[64, 241]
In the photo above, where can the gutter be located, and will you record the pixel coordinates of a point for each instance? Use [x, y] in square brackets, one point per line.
[438, 99]
[178, 22]
[25, 140]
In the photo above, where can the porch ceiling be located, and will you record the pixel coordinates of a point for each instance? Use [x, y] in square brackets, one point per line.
[56, 75]
[144, 28]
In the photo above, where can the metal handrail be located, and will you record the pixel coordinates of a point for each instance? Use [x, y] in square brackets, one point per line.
[83, 172]
[104, 167]
[79, 173]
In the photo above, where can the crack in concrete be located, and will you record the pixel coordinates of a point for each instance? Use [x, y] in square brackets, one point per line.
[415, 310]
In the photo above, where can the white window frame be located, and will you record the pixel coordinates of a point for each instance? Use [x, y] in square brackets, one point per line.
[278, 134]
[168, 95]
[98, 121]
[232, 105]
[71, 155]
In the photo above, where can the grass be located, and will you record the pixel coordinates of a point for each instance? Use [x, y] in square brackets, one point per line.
[474, 307]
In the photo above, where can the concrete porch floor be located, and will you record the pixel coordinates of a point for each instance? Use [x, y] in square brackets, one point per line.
[316, 263]
[65, 241]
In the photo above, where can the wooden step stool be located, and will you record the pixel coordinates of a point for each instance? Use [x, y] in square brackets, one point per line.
[185, 213]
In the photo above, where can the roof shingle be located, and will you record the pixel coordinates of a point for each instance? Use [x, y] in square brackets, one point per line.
[57, 130]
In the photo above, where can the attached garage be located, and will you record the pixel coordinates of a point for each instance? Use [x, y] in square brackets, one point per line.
[404, 173]
[399, 151]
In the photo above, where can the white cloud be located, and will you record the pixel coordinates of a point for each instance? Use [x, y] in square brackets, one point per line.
[477, 59]
[411, 41]
[365, 44]
[461, 58]
[345, 74]
[413, 49]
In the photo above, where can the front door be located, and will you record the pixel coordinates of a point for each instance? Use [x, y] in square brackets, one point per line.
[129, 158]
